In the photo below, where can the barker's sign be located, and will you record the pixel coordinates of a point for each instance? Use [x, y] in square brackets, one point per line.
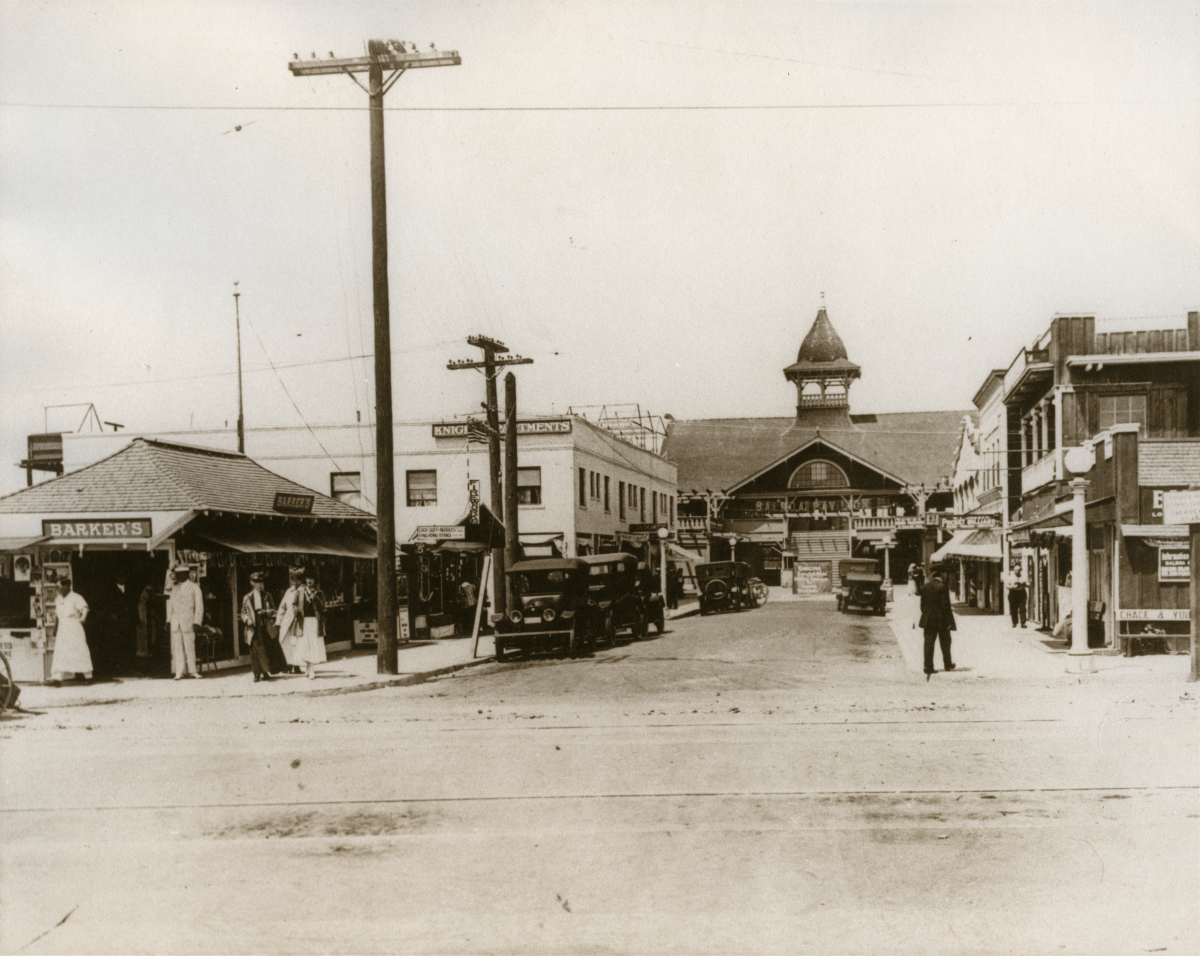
[96, 529]
[290, 504]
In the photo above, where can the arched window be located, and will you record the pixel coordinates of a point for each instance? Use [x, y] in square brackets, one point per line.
[818, 474]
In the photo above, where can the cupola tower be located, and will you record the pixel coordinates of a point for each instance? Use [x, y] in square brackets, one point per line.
[822, 373]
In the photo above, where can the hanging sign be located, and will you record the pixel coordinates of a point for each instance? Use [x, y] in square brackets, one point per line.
[429, 533]
[970, 522]
[1174, 565]
[910, 522]
[291, 504]
[475, 430]
[1154, 614]
[473, 497]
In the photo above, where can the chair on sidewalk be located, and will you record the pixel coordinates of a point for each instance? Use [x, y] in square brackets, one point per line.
[208, 639]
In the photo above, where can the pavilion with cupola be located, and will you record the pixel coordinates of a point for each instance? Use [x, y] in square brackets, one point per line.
[793, 496]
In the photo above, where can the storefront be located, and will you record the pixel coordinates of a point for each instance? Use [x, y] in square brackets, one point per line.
[976, 557]
[115, 529]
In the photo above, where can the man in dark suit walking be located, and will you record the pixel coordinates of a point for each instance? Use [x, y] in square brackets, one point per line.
[937, 618]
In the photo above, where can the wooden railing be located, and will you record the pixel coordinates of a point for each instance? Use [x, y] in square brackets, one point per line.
[1043, 471]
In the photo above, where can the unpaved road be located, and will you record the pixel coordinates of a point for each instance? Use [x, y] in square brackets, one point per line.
[772, 781]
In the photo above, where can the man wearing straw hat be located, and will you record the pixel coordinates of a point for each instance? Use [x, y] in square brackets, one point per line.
[186, 610]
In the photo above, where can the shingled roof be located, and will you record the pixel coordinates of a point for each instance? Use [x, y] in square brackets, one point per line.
[719, 453]
[822, 350]
[152, 475]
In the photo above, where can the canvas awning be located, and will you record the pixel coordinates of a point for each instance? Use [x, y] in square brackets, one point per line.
[684, 553]
[258, 539]
[17, 545]
[980, 543]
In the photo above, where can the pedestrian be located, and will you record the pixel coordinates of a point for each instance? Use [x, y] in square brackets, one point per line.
[71, 654]
[186, 611]
[143, 624]
[917, 575]
[467, 601]
[258, 616]
[937, 619]
[301, 619]
[674, 586]
[1017, 597]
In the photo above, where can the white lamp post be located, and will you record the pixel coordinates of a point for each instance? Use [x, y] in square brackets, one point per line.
[1079, 657]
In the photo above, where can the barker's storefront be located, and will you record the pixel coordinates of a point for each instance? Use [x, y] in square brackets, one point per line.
[116, 527]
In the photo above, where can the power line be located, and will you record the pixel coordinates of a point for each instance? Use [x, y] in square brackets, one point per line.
[705, 107]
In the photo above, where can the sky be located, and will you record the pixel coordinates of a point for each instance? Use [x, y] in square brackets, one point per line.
[648, 199]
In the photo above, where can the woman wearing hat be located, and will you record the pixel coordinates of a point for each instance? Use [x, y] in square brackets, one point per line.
[301, 620]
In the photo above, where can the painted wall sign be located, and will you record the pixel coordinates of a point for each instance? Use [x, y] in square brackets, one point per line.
[813, 577]
[1154, 614]
[1174, 565]
[965, 522]
[429, 533]
[96, 529]
[553, 426]
[292, 504]
[473, 498]
[1181, 507]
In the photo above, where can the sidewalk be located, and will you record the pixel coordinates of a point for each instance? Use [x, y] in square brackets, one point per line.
[988, 646]
[345, 673]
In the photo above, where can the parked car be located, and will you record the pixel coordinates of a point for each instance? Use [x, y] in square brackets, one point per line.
[551, 608]
[724, 586]
[861, 586]
[617, 601]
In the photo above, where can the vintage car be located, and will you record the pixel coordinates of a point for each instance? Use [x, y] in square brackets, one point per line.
[861, 586]
[724, 586]
[551, 608]
[618, 600]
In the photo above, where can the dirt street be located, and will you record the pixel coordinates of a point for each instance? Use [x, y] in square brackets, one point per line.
[770, 781]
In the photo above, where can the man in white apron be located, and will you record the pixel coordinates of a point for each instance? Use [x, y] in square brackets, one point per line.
[71, 654]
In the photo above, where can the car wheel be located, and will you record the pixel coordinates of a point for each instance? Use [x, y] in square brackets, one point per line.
[610, 631]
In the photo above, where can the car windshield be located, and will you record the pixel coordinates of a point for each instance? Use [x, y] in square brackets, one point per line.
[542, 582]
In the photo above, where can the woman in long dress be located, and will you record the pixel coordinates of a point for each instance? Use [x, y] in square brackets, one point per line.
[311, 648]
[71, 654]
[290, 620]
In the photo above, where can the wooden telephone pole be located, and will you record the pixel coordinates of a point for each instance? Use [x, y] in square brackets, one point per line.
[490, 365]
[394, 55]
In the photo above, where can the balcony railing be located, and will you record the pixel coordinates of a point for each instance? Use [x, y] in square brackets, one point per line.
[1025, 360]
[1046, 469]
[683, 523]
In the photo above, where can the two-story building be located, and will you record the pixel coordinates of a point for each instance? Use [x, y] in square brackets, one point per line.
[1130, 390]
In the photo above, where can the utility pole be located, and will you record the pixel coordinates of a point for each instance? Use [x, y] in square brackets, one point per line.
[491, 348]
[394, 55]
[241, 416]
[512, 531]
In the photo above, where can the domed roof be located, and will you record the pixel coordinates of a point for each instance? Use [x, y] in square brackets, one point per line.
[822, 344]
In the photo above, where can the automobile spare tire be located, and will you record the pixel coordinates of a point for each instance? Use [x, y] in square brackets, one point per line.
[716, 591]
[863, 594]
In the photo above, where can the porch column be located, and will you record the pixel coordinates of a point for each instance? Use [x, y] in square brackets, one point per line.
[1045, 424]
[1079, 657]
[1024, 444]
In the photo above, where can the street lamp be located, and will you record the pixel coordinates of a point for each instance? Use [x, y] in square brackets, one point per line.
[1079, 461]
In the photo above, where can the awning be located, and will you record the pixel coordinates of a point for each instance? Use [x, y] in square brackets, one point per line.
[17, 545]
[981, 543]
[535, 539]
[1155, 531]
[684, 553]
[265, 539]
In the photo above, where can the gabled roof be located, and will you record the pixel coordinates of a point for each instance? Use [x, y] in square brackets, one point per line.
[152, 475]
[716, 454]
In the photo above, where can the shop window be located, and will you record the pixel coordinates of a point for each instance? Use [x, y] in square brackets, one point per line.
[1122, 410]
[607, 507]
[422, 488]
[654, 506]
[642, 509]
[346, 486]
[621, 499]
[818, 474]
[582, 487]
[529, 486]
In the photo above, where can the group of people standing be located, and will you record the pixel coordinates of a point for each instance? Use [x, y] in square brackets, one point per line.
[288, 637]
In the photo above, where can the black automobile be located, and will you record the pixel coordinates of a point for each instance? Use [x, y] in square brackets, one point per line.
[724, 586]
[618, 601]
[861, 586]
[551, 608]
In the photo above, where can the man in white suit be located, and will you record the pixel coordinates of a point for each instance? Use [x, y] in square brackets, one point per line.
[186, 610]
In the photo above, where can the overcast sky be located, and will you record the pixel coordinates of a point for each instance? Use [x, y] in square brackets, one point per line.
[648, 199]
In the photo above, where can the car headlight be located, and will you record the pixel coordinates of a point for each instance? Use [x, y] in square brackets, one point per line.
[567, 615]
[548, 615]
[515, 616]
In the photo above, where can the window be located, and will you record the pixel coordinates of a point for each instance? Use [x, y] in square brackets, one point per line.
[654, 506]
[643, 504]
[1121, 410]
[818, 474]
[583, 487]
[621, 499]
[671, 509]
[346, 486]
[607, 507]
[529, 486]
[422, 488]
[633, 497]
